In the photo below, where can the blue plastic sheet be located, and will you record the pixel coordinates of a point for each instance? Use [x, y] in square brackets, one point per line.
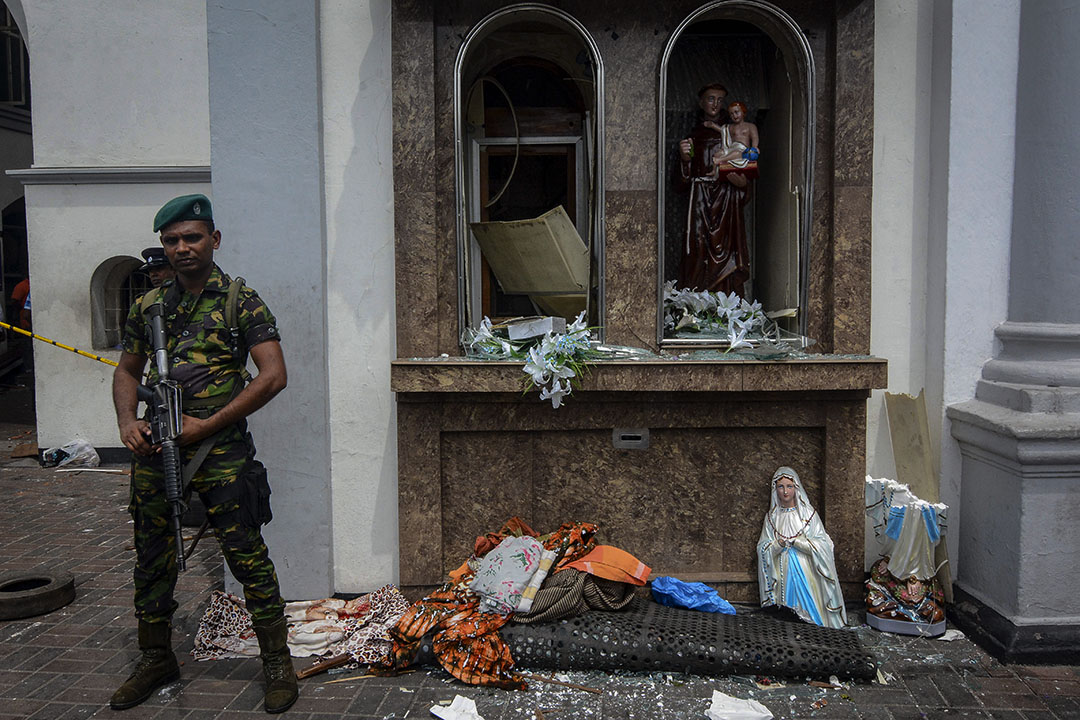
[694, 596]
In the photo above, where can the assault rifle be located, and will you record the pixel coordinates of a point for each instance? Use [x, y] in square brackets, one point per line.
[166, 423]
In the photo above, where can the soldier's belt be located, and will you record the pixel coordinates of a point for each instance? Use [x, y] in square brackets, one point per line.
[203, 408]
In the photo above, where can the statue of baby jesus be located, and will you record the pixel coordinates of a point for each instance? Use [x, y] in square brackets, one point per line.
[740, 140]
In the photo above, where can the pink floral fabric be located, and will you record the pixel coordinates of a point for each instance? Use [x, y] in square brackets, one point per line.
[503, 573]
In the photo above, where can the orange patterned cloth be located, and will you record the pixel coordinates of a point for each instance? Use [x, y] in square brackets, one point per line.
[612, 563]
[466, 641]
[572, 540]
[489, 541]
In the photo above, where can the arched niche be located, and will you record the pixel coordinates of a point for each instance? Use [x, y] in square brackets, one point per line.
[528, 138]
[764, 60]
[114, 286]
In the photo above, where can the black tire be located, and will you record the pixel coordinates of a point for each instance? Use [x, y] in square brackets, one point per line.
[25, 594]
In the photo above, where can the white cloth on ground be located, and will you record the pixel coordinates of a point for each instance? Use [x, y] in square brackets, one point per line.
[331, 626]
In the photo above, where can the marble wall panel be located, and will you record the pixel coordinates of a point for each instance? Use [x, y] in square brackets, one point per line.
[845, 462]
[419, 493]
[416, 279]
[852, 182]
[459, 376]
[851, 258]
[854, 95]
[448, 37]
[691, 504]
[838, 376]
[637, 410]
[631, 268]
[487, 478]
[417, 282]
[630, 51]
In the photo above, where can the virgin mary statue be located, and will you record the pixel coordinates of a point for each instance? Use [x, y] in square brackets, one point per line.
[796, 568]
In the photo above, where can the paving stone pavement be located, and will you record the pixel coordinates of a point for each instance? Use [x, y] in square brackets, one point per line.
[67, 663]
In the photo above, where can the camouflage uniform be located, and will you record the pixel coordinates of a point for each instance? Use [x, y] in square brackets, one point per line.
[202, 363]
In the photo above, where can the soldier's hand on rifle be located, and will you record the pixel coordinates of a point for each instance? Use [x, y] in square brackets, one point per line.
[194, 430]
[136, 437]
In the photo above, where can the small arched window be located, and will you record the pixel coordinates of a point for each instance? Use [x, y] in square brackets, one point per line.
[528, 126]
[115, 285]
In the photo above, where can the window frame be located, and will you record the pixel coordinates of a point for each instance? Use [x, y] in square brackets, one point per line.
[468, 311]
[790, 39]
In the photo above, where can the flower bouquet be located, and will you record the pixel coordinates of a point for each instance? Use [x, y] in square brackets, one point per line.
[554, 362]
[730, 319]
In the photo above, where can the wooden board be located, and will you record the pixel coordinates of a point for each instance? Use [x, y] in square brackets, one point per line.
[538, 256]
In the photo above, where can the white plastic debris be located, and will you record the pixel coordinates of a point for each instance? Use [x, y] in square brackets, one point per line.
[950, 635]
[462, 708]
[725, 707]
[77, 453]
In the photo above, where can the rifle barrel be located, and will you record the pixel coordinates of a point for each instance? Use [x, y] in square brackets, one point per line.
[60, 345]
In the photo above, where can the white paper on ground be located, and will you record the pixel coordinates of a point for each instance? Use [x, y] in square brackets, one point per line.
[462, 708]
[725, 707]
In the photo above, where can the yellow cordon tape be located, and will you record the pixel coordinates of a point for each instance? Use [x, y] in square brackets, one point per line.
[77, 351]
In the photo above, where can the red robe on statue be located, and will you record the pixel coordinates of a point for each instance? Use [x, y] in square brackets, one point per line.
[714, 254]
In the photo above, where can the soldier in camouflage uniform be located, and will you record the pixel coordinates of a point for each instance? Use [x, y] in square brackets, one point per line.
[215, 403]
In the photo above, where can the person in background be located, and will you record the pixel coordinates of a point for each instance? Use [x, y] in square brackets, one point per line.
[157, 266]
[18, 304]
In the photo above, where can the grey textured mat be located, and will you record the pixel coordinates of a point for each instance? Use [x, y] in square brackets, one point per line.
[652, 637]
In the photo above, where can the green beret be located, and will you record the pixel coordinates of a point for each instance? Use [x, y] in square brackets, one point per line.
[185, 207]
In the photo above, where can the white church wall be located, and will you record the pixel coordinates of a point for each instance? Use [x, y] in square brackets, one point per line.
[902, 34]
[357, 125]
[266, 158]
[73, 229]
[972, 145]
[944, 127]
[116, 84]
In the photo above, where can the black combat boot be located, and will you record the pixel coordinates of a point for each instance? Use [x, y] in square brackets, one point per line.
[156, 667]
[281, 690]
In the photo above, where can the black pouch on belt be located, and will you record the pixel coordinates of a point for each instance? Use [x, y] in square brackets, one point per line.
[254, 495]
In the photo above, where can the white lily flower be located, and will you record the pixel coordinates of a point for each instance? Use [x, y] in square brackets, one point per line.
[560, 371]
[728, 303]
[753, 308]
[698, 301]
[578, 325]
[737, 338]
[687, 319]
[536, 367]
[555, 393]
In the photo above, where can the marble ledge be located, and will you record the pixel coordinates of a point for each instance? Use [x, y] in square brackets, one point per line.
[818, 373]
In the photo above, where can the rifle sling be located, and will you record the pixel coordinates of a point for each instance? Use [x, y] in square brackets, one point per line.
[192, 466]
[204, 408]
